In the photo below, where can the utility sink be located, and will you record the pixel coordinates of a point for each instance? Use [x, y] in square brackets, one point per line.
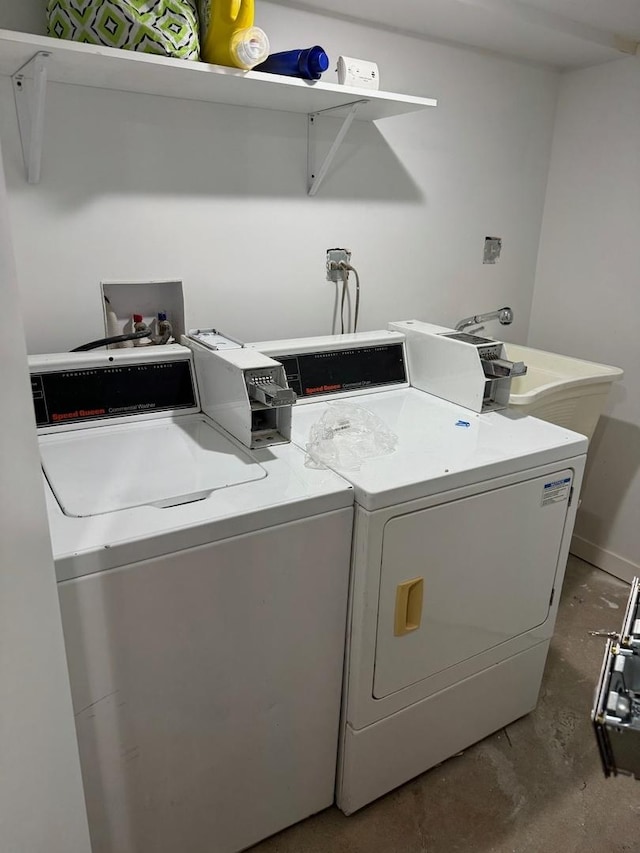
[563, 390]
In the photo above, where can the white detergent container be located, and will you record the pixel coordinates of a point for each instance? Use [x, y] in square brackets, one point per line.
[461, 538]
[203, 590]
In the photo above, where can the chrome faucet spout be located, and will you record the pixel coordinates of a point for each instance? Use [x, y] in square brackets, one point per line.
[504, 315]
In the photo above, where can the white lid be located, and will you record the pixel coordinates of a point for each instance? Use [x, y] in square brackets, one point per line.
[442, 446]
[250, 47]
[164, 462]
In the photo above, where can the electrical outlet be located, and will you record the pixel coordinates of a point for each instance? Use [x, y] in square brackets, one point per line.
[335, 257]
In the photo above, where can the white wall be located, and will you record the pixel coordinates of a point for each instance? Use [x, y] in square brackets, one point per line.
[28, 16]
[41, 800]
[587, 298]
[141, 187]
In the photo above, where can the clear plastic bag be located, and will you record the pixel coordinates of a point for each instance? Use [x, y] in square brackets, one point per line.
[346, 436]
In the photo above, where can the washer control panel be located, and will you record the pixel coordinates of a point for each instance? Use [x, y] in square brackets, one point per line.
[119, 390]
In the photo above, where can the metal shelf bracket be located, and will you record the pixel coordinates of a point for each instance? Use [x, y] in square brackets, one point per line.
[316, 176]
[29, 92]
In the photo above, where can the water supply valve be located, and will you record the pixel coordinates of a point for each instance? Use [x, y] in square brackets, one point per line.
[335, 257]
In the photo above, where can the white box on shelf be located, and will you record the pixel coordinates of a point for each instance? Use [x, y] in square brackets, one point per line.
[359, 73]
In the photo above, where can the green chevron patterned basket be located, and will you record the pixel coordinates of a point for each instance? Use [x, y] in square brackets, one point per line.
[165, 27]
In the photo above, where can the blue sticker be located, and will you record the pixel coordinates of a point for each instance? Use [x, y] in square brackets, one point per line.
[463, 424]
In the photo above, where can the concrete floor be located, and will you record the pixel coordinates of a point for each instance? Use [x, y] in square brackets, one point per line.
[534, 787]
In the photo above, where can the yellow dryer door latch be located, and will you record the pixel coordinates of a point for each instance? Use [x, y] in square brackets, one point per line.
[408, 613]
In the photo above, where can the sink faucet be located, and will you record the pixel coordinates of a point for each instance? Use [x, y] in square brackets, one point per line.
[504, 315]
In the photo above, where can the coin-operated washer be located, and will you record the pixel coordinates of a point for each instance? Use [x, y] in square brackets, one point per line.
[203, 590]
[461, 538]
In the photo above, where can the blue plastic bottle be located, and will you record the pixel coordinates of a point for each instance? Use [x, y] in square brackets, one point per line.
[308, 64]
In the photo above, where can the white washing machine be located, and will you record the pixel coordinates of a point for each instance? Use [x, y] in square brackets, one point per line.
[203, 591]
[460, 543]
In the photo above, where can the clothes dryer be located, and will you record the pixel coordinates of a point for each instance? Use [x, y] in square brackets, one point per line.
[461, 539]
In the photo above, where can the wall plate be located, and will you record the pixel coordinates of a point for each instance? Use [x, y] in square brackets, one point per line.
[492, 249]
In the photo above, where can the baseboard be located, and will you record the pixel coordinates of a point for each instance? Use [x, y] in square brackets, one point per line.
[609, 562]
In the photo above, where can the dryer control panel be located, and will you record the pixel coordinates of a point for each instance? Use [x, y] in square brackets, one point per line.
[311, 374]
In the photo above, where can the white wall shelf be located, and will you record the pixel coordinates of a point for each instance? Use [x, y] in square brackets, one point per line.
[32, 60]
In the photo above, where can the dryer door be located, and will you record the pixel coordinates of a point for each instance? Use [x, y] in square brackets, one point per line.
[460, 578]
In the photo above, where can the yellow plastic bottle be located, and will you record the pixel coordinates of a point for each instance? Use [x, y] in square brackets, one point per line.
[230, 37]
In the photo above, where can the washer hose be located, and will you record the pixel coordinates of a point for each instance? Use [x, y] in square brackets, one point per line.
[115, 339]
